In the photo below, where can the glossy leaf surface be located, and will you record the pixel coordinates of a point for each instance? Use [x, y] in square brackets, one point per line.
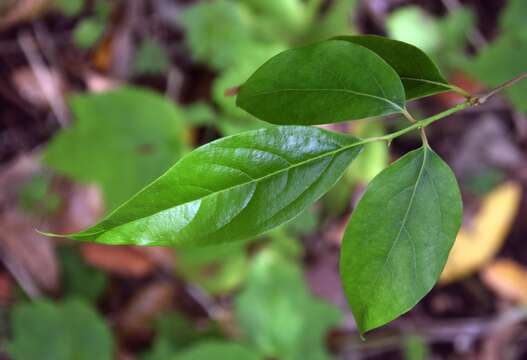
[233, 188]
[327, 82]
[399, 236]
[420, 76]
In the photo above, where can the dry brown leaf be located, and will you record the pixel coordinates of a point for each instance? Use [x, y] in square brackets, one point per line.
[139, 314]
[16, 11]
[478, 242]
[27, 255]
[508, 279]
[25, 81]
[118, 260]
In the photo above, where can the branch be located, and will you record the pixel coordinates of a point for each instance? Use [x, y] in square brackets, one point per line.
[478, 100]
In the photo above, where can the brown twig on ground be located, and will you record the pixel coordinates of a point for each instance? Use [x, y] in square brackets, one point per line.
[44, 77]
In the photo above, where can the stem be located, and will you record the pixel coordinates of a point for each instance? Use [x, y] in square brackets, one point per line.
[483, 98]
[421, 124]
[460, 91]
[410, 118]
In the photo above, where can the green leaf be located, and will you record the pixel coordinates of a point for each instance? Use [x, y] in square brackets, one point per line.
[78, 278]
[67, 331]
[250, 59]
[279, 315]
[375, 155]
[334, 21]
[218, 269]
[88, 32]
[217, 46]
[413, 25]
[69, 7]
[218, 350]
[231, 189]
[500, 61]
[513, 18]
[327, 82]
[173, 333]
[420, 76]
[278, 20]
[151, 58]
[399, 236]
[120, 140]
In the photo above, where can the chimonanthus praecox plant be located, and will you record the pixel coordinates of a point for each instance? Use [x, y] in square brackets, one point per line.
[399, 236]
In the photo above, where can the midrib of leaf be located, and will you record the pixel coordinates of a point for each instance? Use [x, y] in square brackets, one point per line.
[330, 90]
[254, 180]
[405, 217]
[447, 86]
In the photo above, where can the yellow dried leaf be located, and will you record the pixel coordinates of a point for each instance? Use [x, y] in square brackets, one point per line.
[508, 279]
[478, 243]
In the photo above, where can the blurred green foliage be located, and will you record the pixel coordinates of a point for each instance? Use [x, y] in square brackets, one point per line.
[253, 31]
[175, 333]
[150, 58]
[78, 279]
[36, 196]
[217, 351]
[88, 31]
[218, 269]
[69, 7]
[443, 38]
[506, 56]
[277, 313]
[70, 330]
[120, 140]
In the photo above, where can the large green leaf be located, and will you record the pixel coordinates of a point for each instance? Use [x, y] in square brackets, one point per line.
[233, 188]
[326, 82]
[120, 140]
[420, 76]
[398, 237]
[67, 331]
[279, 315]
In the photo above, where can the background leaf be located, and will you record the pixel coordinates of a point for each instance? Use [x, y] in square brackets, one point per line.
[218, 351]
[278, 314]
[413, 25]
[398, 238]
[78, 278]
[151, 58]
[231, 189]
[326, 82]
[216, 45]
[137, 134]
[420, 76]
[483, 237]
[67, 331]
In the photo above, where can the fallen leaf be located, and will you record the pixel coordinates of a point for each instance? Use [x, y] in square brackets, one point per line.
[507, 279]
[28, 86]
[118, 260]
[479, 241]
[17, 11]
[137, 318]
[27, 255]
